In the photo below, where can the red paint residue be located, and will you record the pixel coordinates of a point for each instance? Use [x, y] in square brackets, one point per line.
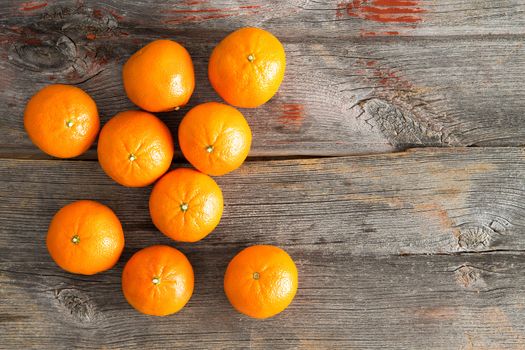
[193, 2]
[349, 7]
[387, 33]
[5, 39]
[388, 19]
[391, 10]
[383, 11]
[394, 3]
[383, 78]
[116, 15]
[340, 11]
[97, 59]
[292, 114]
[203, 14]
[32, 5]
[216, 9]
[196, 18]
[102, 61]
[197, 10]
[16, 29]
[97, 13]
[91, 36]
[389, 78]
[32, 41]
[250, 7]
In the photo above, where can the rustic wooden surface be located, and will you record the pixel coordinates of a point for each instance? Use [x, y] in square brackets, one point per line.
[451, 77]
[405, 238]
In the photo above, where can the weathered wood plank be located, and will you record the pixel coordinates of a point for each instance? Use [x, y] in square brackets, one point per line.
[420, 249]
[417, 202]
[344, 302]
[342, 94]
[295, 18]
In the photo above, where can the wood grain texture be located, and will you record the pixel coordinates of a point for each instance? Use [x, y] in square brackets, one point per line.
[420, 249]
[445, 82]
[292, 18]
[418, 202]
[343, 302]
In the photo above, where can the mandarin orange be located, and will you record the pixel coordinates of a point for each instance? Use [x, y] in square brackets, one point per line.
[158, 280]
[159, 77]
[62, 120]
[247, 67]
[85, 237]
[215, 138]
[186, 205]
[261, 281]
[135, 148]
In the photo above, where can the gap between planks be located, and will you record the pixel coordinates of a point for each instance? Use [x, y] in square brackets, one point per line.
[91, 154]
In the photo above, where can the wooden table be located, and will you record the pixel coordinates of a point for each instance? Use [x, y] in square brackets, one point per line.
[390, 166]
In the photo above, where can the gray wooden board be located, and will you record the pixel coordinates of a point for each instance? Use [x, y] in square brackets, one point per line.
[453, 78]
[424, 201]
[292, 18]
[419, 249]
[343, 302]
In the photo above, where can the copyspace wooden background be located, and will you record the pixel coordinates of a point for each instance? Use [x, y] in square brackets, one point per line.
[390, 166]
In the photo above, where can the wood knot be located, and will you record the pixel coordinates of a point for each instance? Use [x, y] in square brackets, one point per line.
[63, 42]
[475, 238]
[76, 304]
[47, 54]
[469, 277]
[61, 56]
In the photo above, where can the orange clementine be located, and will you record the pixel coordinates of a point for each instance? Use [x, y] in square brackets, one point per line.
[159, 77]
[62, 120]
[247, 67]
[261, 281]
[186, 205]
[158, 280]
[135, 148]
[215, 138]
[85, 237]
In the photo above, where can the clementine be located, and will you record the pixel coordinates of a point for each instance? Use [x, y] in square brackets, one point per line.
[85, 237]
[135, 148]
[247, 67]
[158, 280]
[261, 281]
[62, 120]
[186, 205]
[215, 138]
[159, 77]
